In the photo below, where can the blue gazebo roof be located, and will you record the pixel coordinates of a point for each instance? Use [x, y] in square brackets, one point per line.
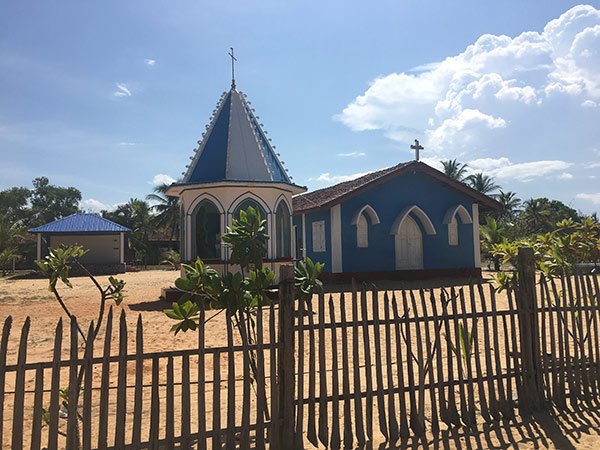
[80, 223]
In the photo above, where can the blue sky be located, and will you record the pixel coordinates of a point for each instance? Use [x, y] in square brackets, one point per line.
[112, 96]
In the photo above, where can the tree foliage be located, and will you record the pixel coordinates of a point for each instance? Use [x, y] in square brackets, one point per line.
[166, 209]
[455, 170]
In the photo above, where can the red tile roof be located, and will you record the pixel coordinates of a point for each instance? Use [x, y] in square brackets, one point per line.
[329, 196]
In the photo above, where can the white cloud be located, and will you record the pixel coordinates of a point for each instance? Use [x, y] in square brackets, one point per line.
[504, 168]
[501, 94]
[122, 90]
[592, 165]
[93, 205]
[150, 62]
[128, 144]
[334, 179]
[594, 198]
[352, 154]
[161, 178]
[565, 176]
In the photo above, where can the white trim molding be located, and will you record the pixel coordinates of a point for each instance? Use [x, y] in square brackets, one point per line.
[122, 247]
[369, 211]
[303, 236]
[419, 213]
[476, 239]
[336, 239]
[459, 210]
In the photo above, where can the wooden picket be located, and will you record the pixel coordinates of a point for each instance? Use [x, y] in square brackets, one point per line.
[340, 370]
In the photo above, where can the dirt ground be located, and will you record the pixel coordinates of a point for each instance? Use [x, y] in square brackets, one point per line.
[30, 298]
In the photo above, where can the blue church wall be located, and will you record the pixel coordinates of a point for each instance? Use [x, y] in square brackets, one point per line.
[388, 200]
[322, 257]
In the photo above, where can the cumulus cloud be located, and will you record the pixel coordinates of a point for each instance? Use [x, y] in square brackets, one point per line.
[352, 154]
[327, 178]
[594, 198]
[93, 205]
[122, 90]
[161, 178]
[504, 168]
[565, 176]
[150, 62]
[500, 94]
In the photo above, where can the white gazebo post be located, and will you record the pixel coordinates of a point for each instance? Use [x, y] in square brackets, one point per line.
[39, 246]
[122, 247]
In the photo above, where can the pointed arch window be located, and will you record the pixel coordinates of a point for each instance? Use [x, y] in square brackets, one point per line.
[250, 202]
[453, 232]
[207, 231]
[283, 228]
[247, 203]
[362, 232]
[361, 222]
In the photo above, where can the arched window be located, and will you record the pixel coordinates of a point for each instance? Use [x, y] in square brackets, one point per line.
[207, 233]
[362, 232]
[284, 227]
[244, 206]
[453, 232]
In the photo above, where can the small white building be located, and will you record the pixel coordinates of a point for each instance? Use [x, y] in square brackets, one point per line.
[104, 240]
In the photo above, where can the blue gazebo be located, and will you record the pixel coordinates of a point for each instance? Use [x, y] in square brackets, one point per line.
[104, 240]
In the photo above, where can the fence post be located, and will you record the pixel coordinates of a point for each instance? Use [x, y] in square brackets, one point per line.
[286, 362]
[531, 395]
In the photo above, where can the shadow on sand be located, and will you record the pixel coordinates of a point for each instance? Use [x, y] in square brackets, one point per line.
[559, 429]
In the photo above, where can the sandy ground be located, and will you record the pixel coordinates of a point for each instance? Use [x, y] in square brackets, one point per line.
[30, 298]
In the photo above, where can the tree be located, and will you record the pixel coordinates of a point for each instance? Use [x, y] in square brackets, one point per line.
[166, 208]
[136, 216]
[455, 170]
[492, 234]
[541, 215]
[482, 183]
[13, 204]
[49, 202]
[510, 204]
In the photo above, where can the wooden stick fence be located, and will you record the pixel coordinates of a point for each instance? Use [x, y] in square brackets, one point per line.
[339, 371]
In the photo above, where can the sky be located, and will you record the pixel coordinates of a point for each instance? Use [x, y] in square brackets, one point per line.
[111, 97]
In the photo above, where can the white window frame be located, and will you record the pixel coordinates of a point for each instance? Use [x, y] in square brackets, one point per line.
[318, 236]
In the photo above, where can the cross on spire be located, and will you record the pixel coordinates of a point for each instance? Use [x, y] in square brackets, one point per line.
[416, 147]
[233, 60]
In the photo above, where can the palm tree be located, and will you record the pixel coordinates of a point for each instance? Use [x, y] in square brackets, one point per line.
[454, 169]
[482, 183]
[491, 234]
[510, 203]
[137, 216]
[166, 208]
[536, 215]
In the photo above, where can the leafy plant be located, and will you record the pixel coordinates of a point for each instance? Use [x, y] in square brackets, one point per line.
[172, 258]
[464, 347]
[307, 281]
[57, 268]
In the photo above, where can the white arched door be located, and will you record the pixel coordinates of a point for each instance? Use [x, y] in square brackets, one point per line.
[409, 246]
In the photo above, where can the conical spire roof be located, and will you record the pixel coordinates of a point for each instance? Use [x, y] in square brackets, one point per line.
[235, 147]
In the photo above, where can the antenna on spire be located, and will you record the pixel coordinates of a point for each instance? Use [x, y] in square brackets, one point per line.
[416, 147]
[233, 60]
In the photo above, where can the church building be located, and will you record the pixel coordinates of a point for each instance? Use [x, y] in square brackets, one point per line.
[407, 221]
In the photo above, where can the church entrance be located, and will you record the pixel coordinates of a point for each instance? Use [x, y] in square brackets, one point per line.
[409, 246]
